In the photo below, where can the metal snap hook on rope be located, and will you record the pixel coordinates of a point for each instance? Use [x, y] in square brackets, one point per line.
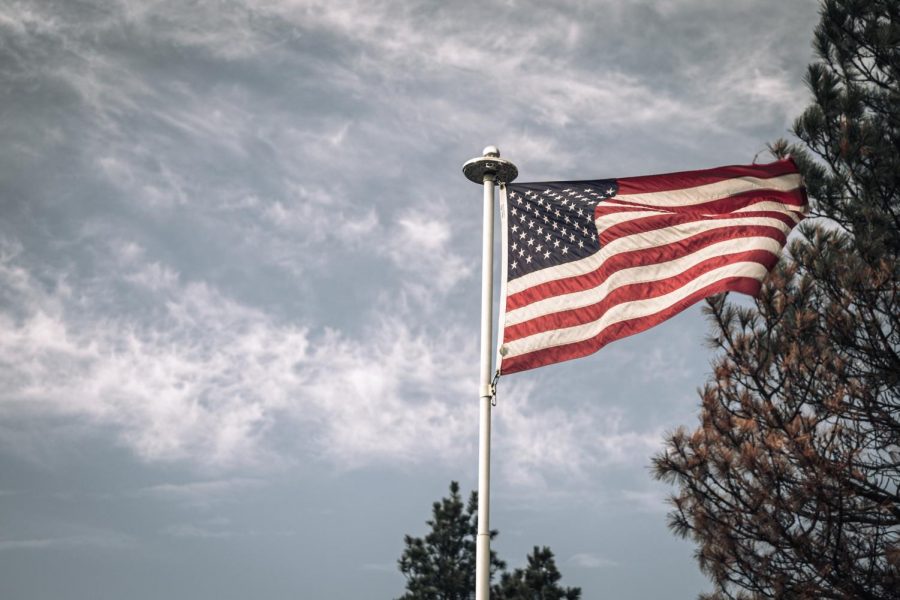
[494, 388]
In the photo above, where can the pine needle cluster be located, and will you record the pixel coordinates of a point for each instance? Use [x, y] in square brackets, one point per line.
[790, 485]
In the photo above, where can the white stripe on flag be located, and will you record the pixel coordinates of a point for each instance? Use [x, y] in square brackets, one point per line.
[643, 274]
[714, 191]
[639, 241]
[630, 310]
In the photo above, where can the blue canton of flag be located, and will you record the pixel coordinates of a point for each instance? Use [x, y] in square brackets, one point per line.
[553, 223]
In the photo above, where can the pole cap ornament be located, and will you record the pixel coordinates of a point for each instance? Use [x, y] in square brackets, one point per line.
[502, 170]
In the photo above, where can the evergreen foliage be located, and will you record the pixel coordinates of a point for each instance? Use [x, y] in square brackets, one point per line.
[441, 566]
[789, 485]
[537, 581]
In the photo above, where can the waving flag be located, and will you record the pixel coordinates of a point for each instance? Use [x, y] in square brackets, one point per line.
[588, 262]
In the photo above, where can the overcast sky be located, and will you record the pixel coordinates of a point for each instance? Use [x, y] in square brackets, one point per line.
[240, 282]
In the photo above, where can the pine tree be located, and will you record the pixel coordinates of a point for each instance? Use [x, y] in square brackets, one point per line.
[538, 581]
[441, 566]
[789, 486]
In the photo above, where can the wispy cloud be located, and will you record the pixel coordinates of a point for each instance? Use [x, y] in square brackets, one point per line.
[216, 383]
[380, 567]
[421, 244]
[653, 501]
[252, 278]
[218, 528]
[200, 493]
[209, 379]
[190, 530]
[587, 560]
[95, 540]
[539, 446]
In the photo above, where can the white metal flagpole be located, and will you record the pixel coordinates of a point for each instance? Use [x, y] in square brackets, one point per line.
[486, 170]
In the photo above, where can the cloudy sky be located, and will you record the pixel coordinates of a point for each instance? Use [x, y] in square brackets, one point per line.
[239, 282]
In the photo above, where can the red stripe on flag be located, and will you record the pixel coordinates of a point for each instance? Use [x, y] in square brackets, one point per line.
[637, 258]
[689, 179]
[647, 225]
[632, 292]
[546, 356]
[734, 202]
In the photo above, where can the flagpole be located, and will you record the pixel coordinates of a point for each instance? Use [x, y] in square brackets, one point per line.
[486, 170]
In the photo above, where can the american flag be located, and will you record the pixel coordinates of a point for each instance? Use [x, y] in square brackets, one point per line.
[589, 262]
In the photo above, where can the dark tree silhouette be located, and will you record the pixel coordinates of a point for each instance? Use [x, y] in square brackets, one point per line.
[539, 580]
[441, 566]
[789, 485]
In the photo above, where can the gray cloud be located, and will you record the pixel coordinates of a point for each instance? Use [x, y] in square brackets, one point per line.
[200, 493]
[107, 539]
[235, 241]
[587, 560]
